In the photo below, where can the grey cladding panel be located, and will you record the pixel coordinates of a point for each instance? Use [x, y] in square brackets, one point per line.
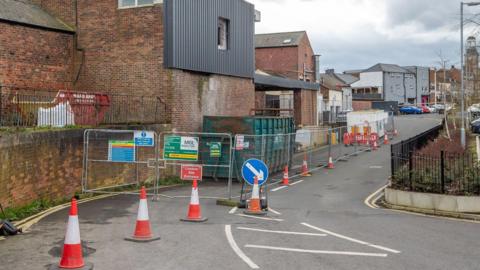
[191, 36]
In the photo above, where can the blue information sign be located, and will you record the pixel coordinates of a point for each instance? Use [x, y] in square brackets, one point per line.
[255, 167]
[144, 138]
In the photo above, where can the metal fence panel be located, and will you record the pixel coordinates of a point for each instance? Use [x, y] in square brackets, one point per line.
[114, 162]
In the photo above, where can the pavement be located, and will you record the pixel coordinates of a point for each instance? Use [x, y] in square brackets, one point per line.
[319, 222]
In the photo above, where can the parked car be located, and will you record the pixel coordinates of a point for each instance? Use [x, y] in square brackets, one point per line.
[410, 110]
[432, 109]
[474, 108]
[475, 126]
[425, 109]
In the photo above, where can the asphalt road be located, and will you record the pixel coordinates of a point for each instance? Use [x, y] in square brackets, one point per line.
[320, 222]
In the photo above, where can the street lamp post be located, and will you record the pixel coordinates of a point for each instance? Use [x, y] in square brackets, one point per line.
[462, 130]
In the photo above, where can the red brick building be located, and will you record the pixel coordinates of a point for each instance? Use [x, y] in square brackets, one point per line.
[120, 47]
[289, 56]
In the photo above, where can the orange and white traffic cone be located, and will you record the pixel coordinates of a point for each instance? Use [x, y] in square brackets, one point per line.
[285, 176]
[305, 171]
[72, 256]
[194, 212]
[374, 145]
[254, 206]
[143, 231]
[385, 139]
[330, 163]
[346, 139]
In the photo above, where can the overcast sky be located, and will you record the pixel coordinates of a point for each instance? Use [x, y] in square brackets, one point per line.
[354, 34]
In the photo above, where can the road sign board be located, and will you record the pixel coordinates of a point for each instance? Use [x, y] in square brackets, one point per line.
[215, 149]
[191, 172]
[255, 167]
[180, 148]
[144, 138]
[121, 151]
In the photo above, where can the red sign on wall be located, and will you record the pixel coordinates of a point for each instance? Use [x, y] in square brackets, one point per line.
[191, 172]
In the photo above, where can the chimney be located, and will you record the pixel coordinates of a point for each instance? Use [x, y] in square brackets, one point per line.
[330, 71]
[316, 57]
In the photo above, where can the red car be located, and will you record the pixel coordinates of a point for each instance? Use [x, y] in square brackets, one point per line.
[425, 109]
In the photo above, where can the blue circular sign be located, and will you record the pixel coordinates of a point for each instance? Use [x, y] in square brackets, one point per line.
[255, 167]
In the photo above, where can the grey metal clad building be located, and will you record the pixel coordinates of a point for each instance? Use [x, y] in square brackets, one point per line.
[422, 76]
[211, 36]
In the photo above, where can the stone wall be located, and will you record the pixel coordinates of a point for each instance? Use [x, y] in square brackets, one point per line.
[48, 165]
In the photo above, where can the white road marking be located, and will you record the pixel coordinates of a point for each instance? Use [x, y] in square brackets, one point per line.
[281, 232]
[351, 239]
[263, 218]
[376, 167]
[298, 182]
[348, 253]
[278, 188]
[238, 251]
[369, 198]
[232, 211]
[275, 212]
[2, 238]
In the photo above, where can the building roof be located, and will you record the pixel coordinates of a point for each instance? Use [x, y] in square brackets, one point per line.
[386, 68]
[347, 78]
[24, 12]
[272, 40]
[265, 81]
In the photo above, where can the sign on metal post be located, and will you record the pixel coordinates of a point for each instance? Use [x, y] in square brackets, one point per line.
[144, 138]
[191, 172]
[254, 168]
[181, 148]
[215, 149]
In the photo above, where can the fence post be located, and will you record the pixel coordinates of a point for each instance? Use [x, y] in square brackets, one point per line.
[442, 171]
[410, 169]
[392, 164]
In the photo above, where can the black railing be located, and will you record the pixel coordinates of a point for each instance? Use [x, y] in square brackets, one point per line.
[441, 172]
[23, 107]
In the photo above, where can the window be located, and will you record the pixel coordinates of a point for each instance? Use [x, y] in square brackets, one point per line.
[137, 3]
[223, 34]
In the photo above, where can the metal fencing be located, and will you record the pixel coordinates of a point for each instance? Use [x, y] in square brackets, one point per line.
[445, 173]
[20, 107]
[117, 161]
[442, 172]
[213, 151]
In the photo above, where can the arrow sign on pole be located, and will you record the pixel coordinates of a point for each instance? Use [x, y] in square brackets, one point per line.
[254, 168]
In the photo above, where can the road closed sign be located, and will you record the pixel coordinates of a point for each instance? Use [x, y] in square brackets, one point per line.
[191, 172]
[180, 148]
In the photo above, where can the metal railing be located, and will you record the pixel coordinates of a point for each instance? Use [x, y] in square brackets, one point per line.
[441, 172]
[26, 107]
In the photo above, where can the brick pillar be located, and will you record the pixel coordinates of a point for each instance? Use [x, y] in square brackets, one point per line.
[259, 100]
[305, 107]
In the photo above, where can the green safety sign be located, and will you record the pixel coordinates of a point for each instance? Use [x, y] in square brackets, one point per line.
[215, 149]
[180, 148]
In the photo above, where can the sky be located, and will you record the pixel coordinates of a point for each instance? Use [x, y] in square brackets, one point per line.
[356, 34]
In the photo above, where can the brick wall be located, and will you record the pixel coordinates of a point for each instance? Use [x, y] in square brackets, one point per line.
[35, 58]
[282, 61]
[197, 95]
[359, 105]
[123, 48]
[305, 56]
[64, 9]
[305, 103]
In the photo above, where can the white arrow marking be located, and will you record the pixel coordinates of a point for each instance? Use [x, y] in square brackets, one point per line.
[259, 174]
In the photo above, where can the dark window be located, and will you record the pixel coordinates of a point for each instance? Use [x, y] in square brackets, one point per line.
[223, 33]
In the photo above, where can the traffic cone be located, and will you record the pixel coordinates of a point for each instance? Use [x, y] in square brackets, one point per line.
[330, 163]
[305, 171]
[385, 139]
[143, 232]
[374, 145]
[72, 257]
[194, 212]
[285, 176]
[346, 139]
[395, 132]
[254, 206]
